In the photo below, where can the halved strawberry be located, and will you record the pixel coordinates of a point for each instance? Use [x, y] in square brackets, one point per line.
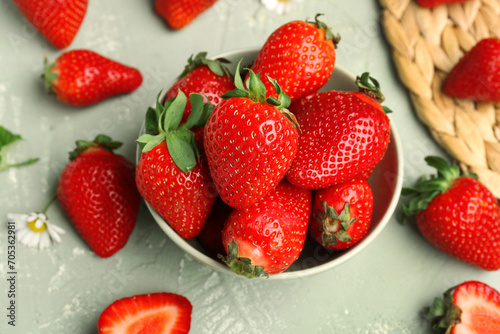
[469, 308]
[156, 313]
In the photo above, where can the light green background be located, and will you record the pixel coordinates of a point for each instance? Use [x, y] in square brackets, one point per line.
[64, 289]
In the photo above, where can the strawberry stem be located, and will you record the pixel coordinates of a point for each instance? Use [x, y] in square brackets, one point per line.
[333, 226]
[100, 141]
[48, 76]
[371, 88]
[328, 32]
[241, 265]
[216, 65]
[443, 314]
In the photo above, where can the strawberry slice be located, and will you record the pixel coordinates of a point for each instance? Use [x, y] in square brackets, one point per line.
[156, 313]
[469, 308]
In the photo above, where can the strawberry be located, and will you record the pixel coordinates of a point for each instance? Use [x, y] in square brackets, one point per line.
[249, 142]
[457, 214]
[211, 235]
[477, 75]
[57, 20]
[299, 55]
[267, 237]
[471, 307]
[204, 76]
[155, 313]
[172, 173]
[83, 77]
[342, 214]
[344, 134]
[435, 3]
[180, 13]
[98, 194]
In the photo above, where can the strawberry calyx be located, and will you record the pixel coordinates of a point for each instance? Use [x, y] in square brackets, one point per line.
[426, 189]
[241, 265]
[332, 225]
[370, 87]
[99, 143]
[443, 313]
[328, 32]
[216, 65]
[48, 75]
[163, 123]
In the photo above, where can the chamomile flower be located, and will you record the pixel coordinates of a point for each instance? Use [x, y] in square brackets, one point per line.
[35, 230]
[280, 6]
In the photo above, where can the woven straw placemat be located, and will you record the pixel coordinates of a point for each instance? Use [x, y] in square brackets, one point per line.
[425, 45]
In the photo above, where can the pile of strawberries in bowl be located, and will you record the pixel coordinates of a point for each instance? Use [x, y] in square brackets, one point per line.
[271, 162]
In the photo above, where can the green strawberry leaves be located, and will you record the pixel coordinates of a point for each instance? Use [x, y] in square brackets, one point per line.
[163, 123]
[216, 66]
[241, 265]
[443, 314]
[7, 139]
[328, 32]
[371, 88]
[332, 225]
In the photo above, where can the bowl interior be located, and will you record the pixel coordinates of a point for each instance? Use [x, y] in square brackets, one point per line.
[386, 181]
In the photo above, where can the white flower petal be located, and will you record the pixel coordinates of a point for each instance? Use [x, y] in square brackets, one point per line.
[35, 240]
[44, 241]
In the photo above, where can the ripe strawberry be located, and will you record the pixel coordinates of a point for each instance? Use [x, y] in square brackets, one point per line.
[249, 143]
[300, 56]
[179, 13]
[342, 214]
[172, 173]
[267, 237]
[155, 313]
[434, 3]
[457, 214]
[98, 194]
[204, 76]
[58, 21]
[477, 75]
[471, 307]
[344, 134]
[83, 77]
[211, 235]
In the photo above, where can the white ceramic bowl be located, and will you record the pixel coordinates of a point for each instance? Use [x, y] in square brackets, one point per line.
[386, 181]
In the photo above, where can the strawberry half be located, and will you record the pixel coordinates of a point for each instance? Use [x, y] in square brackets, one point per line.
[457, 214]
[469, 308]
[58, 21]
[172, 173]
[203, 76]
[83, 77]
[156, 313]
[250, 142]
[300, 56]
[97, 192]
[180, 13]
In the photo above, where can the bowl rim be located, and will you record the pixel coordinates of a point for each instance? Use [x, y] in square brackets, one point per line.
[219, 266]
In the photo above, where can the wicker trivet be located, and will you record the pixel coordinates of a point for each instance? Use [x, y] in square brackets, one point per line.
[425, 45]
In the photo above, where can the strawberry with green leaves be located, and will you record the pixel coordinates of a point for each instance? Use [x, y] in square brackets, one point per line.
[203, 76]
[457, 214]
[83, 77]
[58, 21]
[343, 135]
[180, 13]
[250, 142]
[471, 307]
[268, 237]
[477, 75]
[172, 173]
[154, 313]
[342, 214]
[300, 55]
[97, 192]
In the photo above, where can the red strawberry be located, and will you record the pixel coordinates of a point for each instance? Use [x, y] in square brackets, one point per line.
[211, 235]
[300, 56]
[469, 308]
[477, 75]
[344, 134]
[97, 192]
[457, 214]
[249, 143]
[267, 237]
[342, 214]
[155, 313]
[434, 3]
[83, 77]
[179, 13]
[57, 20]
[204, 76]
[172, 174]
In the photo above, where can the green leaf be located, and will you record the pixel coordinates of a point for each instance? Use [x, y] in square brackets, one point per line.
[151, 123]
[174, 112]
[7, 139]
[180, 147]
[147, 141]
[200, 112]
[237, 78]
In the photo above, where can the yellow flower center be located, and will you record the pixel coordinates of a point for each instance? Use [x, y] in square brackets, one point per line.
[37, 225]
